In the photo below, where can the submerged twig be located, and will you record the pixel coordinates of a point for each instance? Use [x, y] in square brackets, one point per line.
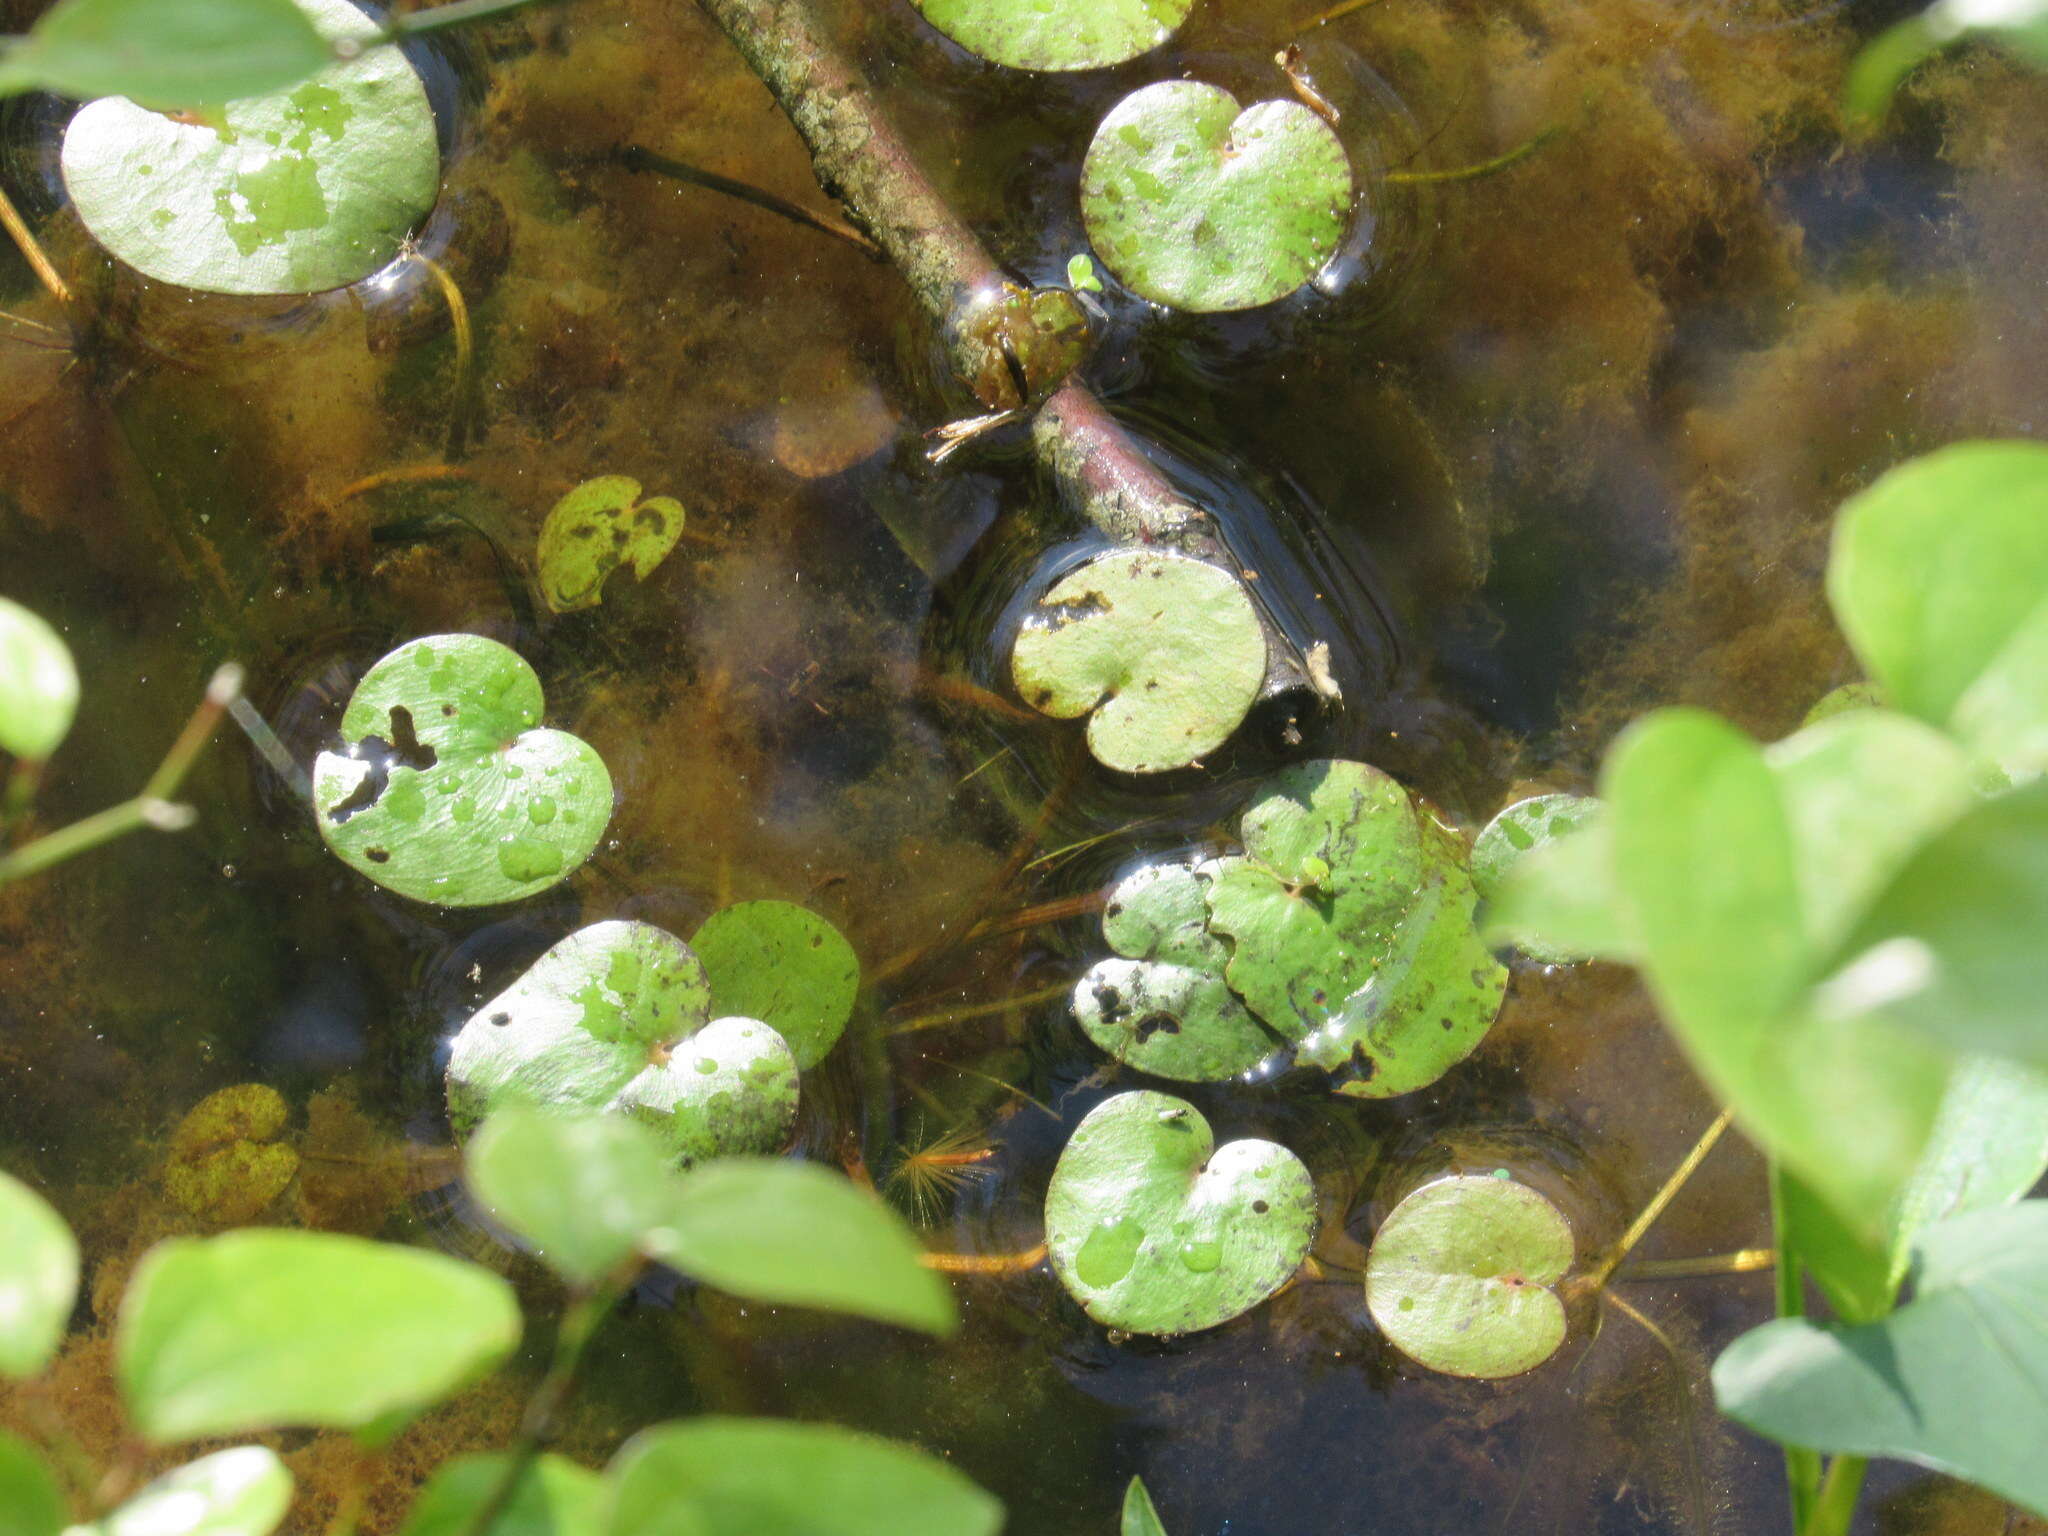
[635, 158]
[33, 253]
[962, 1015]
[1484, 168]
[984, 1263]
[1601, 1272]
[465, 351]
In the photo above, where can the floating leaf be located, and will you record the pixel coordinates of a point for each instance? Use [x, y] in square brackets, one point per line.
[1166, 652]
[792, 1233]
[169, 53]
[1520, 829]
[449, 791]
[1166, 1008]
[1939, 577]
[272, 1329]
[613, 1019]
[38, 1279]
[1057, 34]
[1140, 1517]
[785, 965]
[297, 191]
[31, 1503]
[1152, 1234]
[582, 1190]
[1350, 916]
[598, 527]
[1561, 901]
[1197, 205]
[38, 684]
[241, 1492]
[553, 1497]
[717, 1476]
[1839, 701]
[1956, 1380]
[1459, 1276]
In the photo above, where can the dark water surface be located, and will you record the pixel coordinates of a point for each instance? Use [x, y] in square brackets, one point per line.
[1565, 445]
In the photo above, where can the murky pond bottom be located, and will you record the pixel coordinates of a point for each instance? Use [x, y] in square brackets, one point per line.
[1571, 451]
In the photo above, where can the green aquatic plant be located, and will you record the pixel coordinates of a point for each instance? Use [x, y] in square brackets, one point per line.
[38, 685]
[617, 1018]
[1842, 931]
[1519, 828]
[2016, 27]
[1195, 204]
[1140, 1518]
[170, 53]
[289, 192]
[1166, 1008]
[1155, 1229]
[265, 1330]
[601, 525]
[784, 965]
[1161, 652]
[1460, 1274]
[1057, 34]
[448, 789]
[1350, 920]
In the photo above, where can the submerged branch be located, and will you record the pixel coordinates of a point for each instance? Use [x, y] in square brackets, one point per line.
[859, 158]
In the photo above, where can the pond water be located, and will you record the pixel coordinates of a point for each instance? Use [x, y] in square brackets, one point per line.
[1566, 446]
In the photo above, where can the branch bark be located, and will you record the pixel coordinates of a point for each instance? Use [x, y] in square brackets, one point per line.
[861, 160]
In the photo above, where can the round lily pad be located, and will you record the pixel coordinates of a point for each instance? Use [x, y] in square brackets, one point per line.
[307, 188]
[1197, 205]
[448, 791]
[1166, 1008]
[1459, 1276]
[1164, 650]
[38, 684]
[785, 965]
[613, 1018]
[598, 527]
[1154, 1229]
[1057, 34]
[1520, 828]
[1350, 916]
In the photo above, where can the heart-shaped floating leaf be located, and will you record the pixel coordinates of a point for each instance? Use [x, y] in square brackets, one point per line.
[242, 1492]
[785, 965]
[613, 1018]
[38, 1278]
[38, 684]
[308, 188]
[1198, 205]
[1351, 919]
[1459, 1276]
[598, 527]
[1166, 1009]
[1153, 1234]
[1057, 34]
[1165, 650]
[1518, 831]
[449, 791]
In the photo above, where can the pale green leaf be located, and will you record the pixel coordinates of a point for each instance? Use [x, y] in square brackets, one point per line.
[275, 1329]
[170, 53]
[1199, 206]
[1057, 34]
[31, 1503]
[582, 1190]
[1163, 653]
[785, 965]
[448, 789]
[1155, 1229]
[715, 1476]
[38, 684]
[1141, 1518]
[241, 1492]
[793, 1234]
[38, 1279]
[598, 527]
[553, 1497]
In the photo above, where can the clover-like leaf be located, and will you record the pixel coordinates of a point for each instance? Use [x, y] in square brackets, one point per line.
[38, 1278]
[785, 965]
[1197, 205]
[241, 1492]
[38, 684]
[263, 1329]
[1057, 34]
[1350, 916]
[1155, 1229]
[583, 1189]
[598, 527]
[1459, 1276]
[307, 188]
[1163, 652]
[1166, 1007]
[449, 791]
[613, 1018]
